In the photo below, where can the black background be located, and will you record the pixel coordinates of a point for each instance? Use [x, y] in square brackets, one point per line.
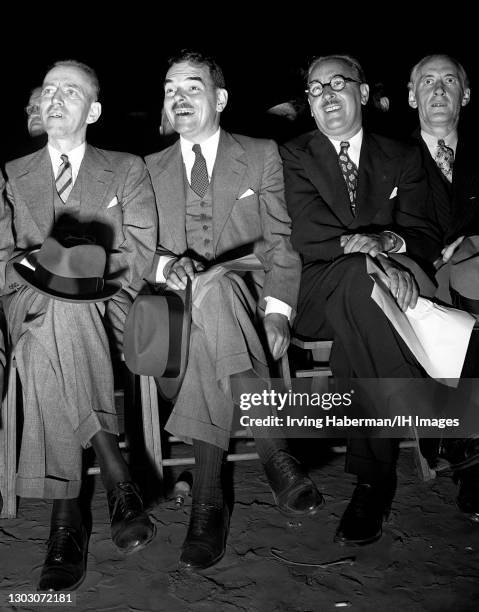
[261, 56]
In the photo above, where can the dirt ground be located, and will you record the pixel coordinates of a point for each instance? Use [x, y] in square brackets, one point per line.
[427, 559]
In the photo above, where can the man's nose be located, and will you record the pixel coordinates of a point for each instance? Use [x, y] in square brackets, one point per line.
[328, 93]
[439, 88]
[57, 97]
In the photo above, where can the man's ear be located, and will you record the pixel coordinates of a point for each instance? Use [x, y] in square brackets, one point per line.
[221, 99]
[364, 91]
[412, 99]
[466, 96]
[94, 112]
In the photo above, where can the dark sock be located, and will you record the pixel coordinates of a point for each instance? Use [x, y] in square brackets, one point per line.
[207, 485]
[113, 468]
[266, 445]
[66, 513]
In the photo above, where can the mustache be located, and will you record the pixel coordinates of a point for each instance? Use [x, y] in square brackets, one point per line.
[182, 106]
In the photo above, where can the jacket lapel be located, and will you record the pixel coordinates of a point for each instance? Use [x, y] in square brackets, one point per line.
[169, 184]
[96, 175]
[376, 180]
[229, 170]
[36, 187]
[321, 164]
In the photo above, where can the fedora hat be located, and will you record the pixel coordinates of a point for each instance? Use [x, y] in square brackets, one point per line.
[69, 273]
[157, 337]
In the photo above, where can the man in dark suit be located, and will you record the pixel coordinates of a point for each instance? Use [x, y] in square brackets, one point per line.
[220, 195]
[351, 194]
[439, 90]
[66, 189]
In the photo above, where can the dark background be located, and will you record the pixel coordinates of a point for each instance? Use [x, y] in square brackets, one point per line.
[261, 57]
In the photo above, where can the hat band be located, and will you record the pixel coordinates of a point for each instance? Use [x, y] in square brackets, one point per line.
[67, 285]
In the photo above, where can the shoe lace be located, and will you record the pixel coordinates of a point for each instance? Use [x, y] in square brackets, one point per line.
[285, 466]
[126, 500]
[60, 542]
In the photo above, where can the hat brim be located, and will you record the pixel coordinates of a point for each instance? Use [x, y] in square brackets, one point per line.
[110, 288]
[169, 387]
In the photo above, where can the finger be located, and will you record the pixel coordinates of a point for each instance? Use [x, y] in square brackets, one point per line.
[188, 270]
[351, 244]
[415, 295]
[343, 240]
[407, 292]
[173, 282]
[179, 277]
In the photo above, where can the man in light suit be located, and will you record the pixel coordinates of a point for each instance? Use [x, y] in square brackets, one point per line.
[439, 90]
[220, 195]
[352, 194]
[66, 189]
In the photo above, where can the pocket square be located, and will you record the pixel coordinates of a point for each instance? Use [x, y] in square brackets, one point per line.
[247, 193]
[114, 202]
[394, 193]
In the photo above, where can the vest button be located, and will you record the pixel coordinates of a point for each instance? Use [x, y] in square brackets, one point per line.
[205, 227]
[202, 204]
[208, 255]
[207, 241]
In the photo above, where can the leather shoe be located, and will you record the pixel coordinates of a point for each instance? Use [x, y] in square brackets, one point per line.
[65, 564]
[205, 541]
[468, 495]
[131, 528]
[295, 493]
[362, 521]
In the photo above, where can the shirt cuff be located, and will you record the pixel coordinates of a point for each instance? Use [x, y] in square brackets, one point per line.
[273, 305]
[163, 260]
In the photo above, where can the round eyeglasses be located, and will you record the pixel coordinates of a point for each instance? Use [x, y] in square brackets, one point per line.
[337, 82]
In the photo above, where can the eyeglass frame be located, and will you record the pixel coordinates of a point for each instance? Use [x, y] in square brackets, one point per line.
[323, 85]
[32, 109]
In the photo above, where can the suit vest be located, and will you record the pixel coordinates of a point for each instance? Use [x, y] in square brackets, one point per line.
[199, 222]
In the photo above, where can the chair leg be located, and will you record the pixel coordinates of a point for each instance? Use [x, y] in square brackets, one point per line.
[151, 424]
[8, 478]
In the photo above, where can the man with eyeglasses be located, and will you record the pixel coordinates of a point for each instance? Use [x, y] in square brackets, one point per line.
[439, 90]
[352, 194]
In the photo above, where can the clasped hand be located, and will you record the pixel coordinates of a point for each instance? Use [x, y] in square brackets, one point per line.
[179, 270]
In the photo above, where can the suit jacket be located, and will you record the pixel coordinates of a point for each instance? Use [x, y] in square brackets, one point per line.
[116, 207]
[258, 222]
[454, 207]
[391, 195]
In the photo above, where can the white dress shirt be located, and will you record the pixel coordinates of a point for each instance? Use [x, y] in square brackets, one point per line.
[209, 149]
[354, 153]
[75, 157]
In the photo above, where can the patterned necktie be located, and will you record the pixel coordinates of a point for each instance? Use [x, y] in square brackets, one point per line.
[64, 180]
[199, 173]
[444, 159]
[350, 173]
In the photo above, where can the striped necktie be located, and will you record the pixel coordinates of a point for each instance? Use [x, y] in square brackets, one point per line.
[199, 173]
[444, 159]
[350, 173]
[64, 180]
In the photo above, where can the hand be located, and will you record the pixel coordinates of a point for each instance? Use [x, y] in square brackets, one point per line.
[178, 270]
[277, 334]
[372, 244]
[402, 284]
[448, 251]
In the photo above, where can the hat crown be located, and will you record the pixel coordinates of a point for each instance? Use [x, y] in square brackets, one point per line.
[78, 261]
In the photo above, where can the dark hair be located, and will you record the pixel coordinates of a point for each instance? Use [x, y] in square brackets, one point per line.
[87, 70]
[347, 59]
[195, 57]
[414, 72]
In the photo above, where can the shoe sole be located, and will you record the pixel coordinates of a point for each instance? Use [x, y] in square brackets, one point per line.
[189, 567]
[292, 514]
[363, 542]
[133, 549]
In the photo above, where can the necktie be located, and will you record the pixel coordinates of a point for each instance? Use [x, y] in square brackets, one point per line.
[64, 180]
[350, 173]
[444, 159]
[199, 173]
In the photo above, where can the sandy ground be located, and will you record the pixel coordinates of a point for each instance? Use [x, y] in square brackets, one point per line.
[427, 559]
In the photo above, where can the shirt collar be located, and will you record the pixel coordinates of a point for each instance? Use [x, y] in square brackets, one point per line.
[354, 146]
[431, 141]
[75, 157]
[209, 148]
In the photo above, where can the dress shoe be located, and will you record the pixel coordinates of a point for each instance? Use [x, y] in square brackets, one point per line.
[362, 521]
[65, 564]
[295, 493]
[131, 528]
[205, 541]
[468, 495]
[460, 452]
